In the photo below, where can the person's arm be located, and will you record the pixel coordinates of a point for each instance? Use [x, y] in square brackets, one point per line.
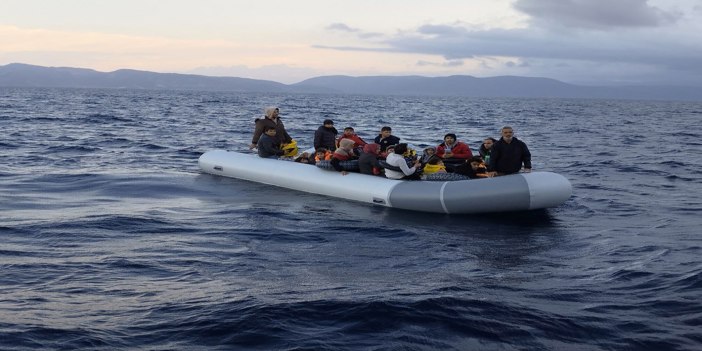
[280, 129]
[494, 156]
[440, 151]
[288, 138]
[258, 130]
[405, 168]
[317, 139]
[526, 158]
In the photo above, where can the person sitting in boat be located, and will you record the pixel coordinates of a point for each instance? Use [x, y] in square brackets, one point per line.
[349, 133]
[427, 153]
[322, 154]
[343, 153]
[306, 157]
[434, 165]
[486, 148]
[268, 144]
[271, 119]
[325, 136]
[452, 150]
[396, 159]
[389, 150]
[473, 168]
[385, 139]
[368, 161]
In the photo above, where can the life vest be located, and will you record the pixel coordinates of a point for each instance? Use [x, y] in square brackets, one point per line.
[431, 169]
[290, 149]
[327, 156]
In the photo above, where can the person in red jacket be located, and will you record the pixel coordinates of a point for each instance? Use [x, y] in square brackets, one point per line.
[452, 149]
[453, 152]
[349, 133]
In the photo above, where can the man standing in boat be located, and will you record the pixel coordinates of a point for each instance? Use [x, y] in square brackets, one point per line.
[508, 154]
[385, 139]
[271, 119]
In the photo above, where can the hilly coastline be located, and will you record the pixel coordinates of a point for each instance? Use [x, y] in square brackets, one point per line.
[23, 75]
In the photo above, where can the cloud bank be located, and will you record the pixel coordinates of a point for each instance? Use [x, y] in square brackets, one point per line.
[583, 41]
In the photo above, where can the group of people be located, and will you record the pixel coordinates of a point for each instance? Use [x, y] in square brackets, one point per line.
[387, 155]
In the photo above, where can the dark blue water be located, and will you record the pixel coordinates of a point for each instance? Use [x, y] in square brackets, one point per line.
[111, 238]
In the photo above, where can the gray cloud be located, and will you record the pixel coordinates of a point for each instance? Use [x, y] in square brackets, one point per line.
[453, 63]
[596, 13]
[341, 27]
[460, 43]
[593, 39]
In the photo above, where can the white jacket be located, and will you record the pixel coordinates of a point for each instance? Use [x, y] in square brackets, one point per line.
[396, 160]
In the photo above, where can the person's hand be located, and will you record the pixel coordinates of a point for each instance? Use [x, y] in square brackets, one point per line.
[527, 170]
[448, 154]
[252, 146]
[492, 174]
[343, 173]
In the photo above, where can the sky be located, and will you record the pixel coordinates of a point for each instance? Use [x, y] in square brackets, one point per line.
[592, 42]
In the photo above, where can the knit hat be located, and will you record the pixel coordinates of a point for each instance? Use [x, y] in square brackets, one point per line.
[328, 121]
[346, 143]
[450, 135]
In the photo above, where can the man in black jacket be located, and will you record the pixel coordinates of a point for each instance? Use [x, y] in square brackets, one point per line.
[385, 139]
[325, 136]
[508, 154]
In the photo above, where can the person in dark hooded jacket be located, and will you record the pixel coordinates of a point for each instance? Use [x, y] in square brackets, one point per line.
[368, 161]
[509, 154]
[271, 119]
[325, 136]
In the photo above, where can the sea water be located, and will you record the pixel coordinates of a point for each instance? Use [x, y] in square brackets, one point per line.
[111, 237]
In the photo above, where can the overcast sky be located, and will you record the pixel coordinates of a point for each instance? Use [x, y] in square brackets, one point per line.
[576, 41]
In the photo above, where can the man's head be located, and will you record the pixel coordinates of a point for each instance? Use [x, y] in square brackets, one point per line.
[507, 133]
[449, 138]
[385, 131]
[348, 131]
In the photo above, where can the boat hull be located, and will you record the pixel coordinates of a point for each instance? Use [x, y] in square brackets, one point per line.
[517, 192]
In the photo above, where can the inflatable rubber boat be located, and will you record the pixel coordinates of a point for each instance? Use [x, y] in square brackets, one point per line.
[516, 192]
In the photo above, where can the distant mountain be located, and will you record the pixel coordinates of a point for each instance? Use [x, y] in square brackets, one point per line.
[504, 86]
[441, 86]
[22, 75]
